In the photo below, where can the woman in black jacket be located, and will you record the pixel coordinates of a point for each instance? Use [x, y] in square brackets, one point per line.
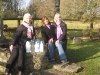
[61, 39]
[47, 31]
[23, 32]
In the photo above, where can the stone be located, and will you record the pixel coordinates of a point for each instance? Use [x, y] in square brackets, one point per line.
[33, 61]
[77, 40]
[3, 60]
[67, 68]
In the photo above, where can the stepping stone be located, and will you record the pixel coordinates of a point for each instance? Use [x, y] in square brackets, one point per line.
[67, 68]
[77, 40]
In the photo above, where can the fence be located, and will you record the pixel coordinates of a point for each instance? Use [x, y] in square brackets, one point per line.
[13, 28]
[71, 33]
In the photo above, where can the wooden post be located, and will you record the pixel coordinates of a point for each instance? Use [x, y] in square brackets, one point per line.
[1, 27]
[91, 25]
[18, 22]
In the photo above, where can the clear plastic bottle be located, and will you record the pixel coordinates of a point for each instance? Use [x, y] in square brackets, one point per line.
[41, 46]
[28, 46]
[33, 45]
[36, 47]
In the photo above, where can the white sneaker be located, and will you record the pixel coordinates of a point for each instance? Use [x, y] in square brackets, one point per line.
[63, 61]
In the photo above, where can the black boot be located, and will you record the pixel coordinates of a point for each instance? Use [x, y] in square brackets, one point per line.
[6, 73]
[20, 73]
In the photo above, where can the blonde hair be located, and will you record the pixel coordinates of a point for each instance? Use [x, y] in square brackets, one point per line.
[57, 15]
[27, 14]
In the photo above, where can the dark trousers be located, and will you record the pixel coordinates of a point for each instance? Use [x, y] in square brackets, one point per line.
[17, 54]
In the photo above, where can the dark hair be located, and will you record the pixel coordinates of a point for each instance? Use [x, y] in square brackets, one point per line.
[44, 18]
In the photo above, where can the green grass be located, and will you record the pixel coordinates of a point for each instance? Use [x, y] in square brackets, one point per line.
[81, 25]
[11, 23]
[70, 24]
[76, 25]
[86, 55]
[14, 23]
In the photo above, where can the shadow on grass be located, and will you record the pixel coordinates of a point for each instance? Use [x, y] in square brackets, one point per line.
[81, 52]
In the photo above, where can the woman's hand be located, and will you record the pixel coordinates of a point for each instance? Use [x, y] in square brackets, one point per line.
[51, 40]
[46, 45]
[34, 37]
[57, 42]
[11, 48]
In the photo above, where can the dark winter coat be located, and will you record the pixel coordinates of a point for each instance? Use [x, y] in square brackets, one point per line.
[20, 37]
[63, 37]
[48, 33]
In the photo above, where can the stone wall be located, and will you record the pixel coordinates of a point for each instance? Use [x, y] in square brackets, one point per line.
[34, 61]
[3, 59]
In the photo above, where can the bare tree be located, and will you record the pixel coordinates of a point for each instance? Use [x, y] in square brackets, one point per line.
[9, 8]
[72, 9]
[43, 8]
[92, 12]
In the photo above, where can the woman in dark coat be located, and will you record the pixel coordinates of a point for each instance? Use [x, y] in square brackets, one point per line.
[24, 31]
[61, 39]
[47, 31]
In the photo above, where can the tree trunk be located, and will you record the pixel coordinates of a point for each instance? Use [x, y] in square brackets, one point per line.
[91, 25]
[57, 6]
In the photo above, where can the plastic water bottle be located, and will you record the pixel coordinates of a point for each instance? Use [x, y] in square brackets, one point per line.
[36, 47]
[41, 46]
[28, 46]
[33, 45]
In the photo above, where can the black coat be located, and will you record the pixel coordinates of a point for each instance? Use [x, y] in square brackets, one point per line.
[63, 36]
[48, 33]
[20, 37]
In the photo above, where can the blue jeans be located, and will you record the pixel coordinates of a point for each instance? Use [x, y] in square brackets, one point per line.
[51, 50]
[61, 51]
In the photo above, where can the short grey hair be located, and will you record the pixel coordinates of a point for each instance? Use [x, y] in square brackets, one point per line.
[57, 15]
[27, 14]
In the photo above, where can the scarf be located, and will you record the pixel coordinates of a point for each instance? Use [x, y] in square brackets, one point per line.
[29, 30]
[59, 30]
[48, 26]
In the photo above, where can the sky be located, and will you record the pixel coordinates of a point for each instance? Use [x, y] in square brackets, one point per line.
[25, 3]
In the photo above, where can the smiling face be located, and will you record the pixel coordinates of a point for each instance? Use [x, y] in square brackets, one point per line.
[46, 21]
[57, 18]
[27, 18]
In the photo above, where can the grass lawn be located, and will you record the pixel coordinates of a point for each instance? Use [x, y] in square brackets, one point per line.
[86, 55]
[70, 24]
[81, 25]
[14, 23]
